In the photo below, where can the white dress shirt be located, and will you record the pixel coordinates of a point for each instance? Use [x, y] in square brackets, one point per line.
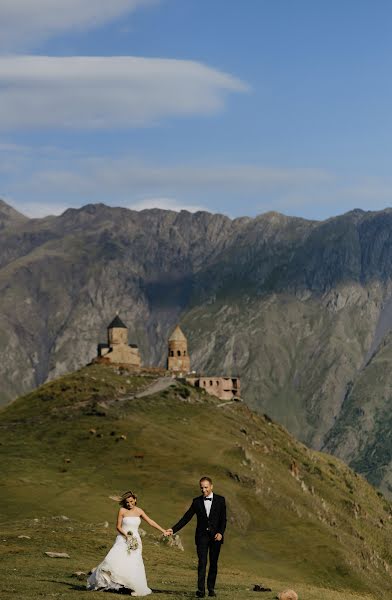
[208, 503]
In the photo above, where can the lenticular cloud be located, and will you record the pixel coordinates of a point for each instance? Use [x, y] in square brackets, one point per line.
[23, 22]
[106, 92]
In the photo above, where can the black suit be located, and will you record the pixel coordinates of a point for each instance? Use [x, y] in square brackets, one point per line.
[206, 529]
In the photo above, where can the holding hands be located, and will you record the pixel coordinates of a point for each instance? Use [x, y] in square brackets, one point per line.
[218, 536]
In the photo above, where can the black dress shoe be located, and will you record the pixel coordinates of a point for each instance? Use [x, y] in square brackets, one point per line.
[200, 594]
[211, 593]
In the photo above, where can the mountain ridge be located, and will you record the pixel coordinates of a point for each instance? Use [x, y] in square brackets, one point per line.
[292, 306]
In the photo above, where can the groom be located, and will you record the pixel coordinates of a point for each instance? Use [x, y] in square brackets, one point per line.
[210, 510]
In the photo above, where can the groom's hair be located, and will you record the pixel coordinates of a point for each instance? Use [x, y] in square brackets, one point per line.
[206, 479]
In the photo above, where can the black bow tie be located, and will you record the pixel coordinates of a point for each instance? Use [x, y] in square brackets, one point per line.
[210, 499]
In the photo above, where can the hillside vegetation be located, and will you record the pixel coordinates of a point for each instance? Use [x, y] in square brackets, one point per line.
[297, 518]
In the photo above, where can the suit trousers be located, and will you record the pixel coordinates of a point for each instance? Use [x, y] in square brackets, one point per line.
[206, 545]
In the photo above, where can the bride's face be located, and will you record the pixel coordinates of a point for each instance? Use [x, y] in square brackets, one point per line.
[131, 503]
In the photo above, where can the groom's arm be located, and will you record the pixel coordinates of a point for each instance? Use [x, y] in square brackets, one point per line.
[222, 518]
[185, 519]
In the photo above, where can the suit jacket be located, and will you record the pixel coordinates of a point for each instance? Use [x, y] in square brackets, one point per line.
[215, 523]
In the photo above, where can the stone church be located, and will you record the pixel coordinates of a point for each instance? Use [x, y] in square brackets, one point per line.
[117, 350]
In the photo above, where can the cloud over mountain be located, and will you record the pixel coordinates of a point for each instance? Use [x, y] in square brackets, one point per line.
[106, 92]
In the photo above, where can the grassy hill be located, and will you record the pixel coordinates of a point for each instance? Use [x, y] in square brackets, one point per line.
[74, 442]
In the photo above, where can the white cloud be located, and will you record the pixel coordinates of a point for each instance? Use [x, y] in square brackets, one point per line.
[23, 22]
[370, 189]
[106, 92]
[165, 204]
[124, 176]
[56, 178]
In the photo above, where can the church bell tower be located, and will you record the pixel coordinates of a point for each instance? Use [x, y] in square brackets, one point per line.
[178, 359]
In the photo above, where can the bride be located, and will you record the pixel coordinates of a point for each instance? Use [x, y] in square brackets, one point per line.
[123, 566]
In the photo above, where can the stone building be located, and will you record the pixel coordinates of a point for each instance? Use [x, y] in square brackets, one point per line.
[224, 388]
[178, 362]
[117, 350]
[178, 359]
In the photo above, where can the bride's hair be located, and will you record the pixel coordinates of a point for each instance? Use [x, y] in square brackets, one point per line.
[124, 497]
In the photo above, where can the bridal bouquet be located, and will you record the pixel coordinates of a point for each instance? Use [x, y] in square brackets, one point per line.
[132, 542]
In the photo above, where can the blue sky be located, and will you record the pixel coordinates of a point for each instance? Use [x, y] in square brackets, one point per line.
[219, 105]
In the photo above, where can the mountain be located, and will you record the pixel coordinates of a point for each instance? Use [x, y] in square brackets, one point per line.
[9, 216]
[296, 517]
[296, 308]
[361, 434]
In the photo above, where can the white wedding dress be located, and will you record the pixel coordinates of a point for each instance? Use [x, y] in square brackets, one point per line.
[120, 569]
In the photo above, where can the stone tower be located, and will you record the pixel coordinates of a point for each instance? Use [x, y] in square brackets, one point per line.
[178, 358]
[117, 332]
[117, 350]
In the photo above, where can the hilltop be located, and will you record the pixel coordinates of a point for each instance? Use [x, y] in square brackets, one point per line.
[296, 517]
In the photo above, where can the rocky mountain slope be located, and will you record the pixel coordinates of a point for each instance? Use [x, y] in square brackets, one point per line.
[361, 434]
[9, 216]
[296, 308]
[296, 517]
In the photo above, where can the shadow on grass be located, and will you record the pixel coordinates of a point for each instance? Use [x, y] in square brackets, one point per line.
[82, 588]
[72, 586]
[186, 594]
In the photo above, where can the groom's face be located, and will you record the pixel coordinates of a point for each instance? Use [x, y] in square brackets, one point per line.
[205, 487]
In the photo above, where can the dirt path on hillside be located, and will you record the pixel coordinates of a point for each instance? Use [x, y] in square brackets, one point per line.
[163, 383]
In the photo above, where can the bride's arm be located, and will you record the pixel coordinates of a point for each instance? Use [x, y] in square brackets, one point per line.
[119, 522]
[151, 522]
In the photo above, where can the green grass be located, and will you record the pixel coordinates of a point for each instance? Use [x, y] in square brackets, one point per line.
[326, 534]
[28, 573]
